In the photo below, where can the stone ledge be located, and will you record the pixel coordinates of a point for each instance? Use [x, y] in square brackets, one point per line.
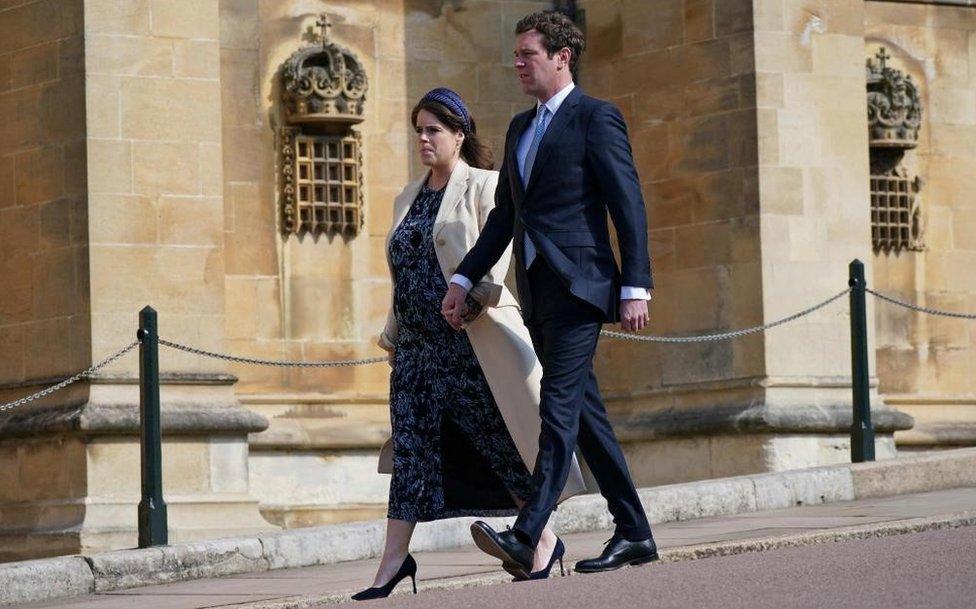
[45, 579]
[714, 420]
[35, 580]
[92, 419]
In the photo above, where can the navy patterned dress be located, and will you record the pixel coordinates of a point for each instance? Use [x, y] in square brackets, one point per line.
[452, 454]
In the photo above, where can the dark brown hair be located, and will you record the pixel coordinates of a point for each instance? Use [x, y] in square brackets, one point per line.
[473, 150]
[558, 32]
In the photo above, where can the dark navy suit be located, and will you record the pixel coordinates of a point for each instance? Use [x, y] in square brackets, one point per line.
[583, 169]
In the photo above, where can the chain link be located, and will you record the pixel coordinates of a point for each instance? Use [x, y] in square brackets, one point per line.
[272, 362]
[723, 335]
[83, 374]
[908, 305]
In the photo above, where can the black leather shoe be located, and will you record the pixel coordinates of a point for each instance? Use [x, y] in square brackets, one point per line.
[619, 553]
[516, 556]
[407, 569]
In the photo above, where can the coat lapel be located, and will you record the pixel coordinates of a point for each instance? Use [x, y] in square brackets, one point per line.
[457, 185]
[559, 122]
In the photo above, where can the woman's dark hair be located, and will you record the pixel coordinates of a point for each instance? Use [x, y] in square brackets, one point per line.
[473, 150]
[558, 32]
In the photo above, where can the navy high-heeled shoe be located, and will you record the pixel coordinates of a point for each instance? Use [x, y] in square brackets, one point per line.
[407, 569]
[557, 554]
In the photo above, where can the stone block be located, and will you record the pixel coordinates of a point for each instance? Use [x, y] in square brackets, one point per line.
[196, 58]
[130, 17]
[163, 109]
[212, 558]
[473, 34]
[647, 29]
[55, 223]
[108, 54]
[4, 72]
[7, 182]
[246, 151]
[713, 96]
[239, 24]
[781, 189]
[323, 545]
[701, 145]
[34, 65]
[109, 166]
[699, 20]
[122, 219]
[40, 580]
[733, 17]
[185, 19]
[16, 299]
[102, 106]
[55, 285]
[240, 89]
[190, 220]
[914, 474]
[29, 25]
[39, 175]
[182, 163]
[12, 364]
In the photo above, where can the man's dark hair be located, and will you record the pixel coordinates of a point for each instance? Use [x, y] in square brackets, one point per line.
[558, 32]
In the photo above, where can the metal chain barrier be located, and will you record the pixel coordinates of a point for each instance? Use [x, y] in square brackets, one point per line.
[83, 374]
[375, 360]
[723, 335]
[908, 305]
[272, 362]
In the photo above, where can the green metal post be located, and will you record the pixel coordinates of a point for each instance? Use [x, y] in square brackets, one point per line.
[862, 432]
[153, 530]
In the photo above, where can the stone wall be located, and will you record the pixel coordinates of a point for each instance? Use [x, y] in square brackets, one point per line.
[683, 75]
[44, 303]
[926, 363]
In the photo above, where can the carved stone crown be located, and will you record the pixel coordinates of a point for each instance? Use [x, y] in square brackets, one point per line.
[324, 83]
[894, 110]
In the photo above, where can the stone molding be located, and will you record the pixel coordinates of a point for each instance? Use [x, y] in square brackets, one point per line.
[642, 425]
[99, 419]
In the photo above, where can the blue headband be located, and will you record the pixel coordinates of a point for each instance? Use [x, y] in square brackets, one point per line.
[452, 101]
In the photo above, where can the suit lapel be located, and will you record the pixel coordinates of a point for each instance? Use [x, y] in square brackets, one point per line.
[457, 185]
[521, 122]
[559, 122]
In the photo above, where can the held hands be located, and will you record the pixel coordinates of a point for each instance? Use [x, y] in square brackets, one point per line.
[453, 307]
[633, 315]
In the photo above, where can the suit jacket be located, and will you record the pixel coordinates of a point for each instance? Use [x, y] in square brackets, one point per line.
[583, 169]
[499, 337]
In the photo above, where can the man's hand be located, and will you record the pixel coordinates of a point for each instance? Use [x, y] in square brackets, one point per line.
[453, 307]
[633, 315]
[389, 357]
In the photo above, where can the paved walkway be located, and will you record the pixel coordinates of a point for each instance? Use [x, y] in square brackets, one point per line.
[304, 587]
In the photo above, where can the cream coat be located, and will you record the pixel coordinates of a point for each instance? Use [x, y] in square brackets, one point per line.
[500, 339]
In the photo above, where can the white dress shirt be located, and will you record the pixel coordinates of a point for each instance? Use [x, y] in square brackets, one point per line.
[521, 152]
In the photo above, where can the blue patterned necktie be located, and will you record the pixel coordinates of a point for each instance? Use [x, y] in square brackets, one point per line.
[540, 130]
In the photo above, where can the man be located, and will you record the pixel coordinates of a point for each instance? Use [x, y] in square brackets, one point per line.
[567, 162]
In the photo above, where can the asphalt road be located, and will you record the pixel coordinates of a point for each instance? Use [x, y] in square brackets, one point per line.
[936, 569]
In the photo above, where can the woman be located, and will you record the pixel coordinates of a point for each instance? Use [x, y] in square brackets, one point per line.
[464, 405]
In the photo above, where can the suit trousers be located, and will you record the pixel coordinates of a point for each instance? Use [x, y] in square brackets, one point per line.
[564, 332]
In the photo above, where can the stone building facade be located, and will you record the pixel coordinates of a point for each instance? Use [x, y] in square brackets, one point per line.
[143, 155]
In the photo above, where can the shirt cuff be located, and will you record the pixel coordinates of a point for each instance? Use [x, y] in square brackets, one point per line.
[631, 293]
[462, 281]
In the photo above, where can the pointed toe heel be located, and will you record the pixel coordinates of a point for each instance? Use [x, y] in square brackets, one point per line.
[407, 569]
